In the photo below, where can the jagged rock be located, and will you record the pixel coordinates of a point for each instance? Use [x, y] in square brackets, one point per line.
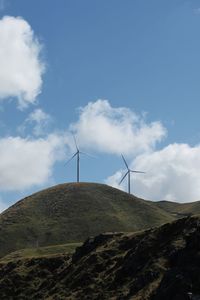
[161, 263]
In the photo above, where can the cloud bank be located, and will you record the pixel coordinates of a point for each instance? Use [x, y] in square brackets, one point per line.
[27, 162]
[171, 174]
[21, 67]
[104, 128]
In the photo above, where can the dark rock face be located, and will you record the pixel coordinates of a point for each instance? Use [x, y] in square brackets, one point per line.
[91, 244]
[161, 263]
[182, 280]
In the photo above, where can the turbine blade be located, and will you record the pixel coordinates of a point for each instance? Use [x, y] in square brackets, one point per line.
[125, 162]
[75, 142]
[123, 177]
[137, 171]
[71, 158]
[87, 154]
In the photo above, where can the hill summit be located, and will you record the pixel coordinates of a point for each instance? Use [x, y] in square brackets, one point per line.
[71, 212]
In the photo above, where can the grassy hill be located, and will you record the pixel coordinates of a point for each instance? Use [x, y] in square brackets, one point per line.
[179, 209]
[160, 263]
[72, 212]
[48, 251]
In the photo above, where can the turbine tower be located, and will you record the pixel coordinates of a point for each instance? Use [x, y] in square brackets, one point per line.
[129, 171]
[77, 155]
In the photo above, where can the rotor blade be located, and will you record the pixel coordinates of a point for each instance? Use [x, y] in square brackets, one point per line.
[123, 177]
[75, 142]
[137, 171]
[125, 162]
[71, 158]
[87, 154]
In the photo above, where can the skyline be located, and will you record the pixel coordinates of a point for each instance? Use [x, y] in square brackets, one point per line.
[122, 77]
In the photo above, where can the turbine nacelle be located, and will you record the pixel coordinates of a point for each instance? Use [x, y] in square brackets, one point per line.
[129, 171]
[77, 154]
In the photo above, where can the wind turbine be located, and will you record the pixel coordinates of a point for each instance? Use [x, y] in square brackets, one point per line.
[77, 155]
[129, 171]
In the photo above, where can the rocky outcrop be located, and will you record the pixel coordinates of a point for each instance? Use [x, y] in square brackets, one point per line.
[161, 263]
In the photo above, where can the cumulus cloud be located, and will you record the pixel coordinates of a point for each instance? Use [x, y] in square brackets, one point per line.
[28, 162]
[119, 130]
[40, 121]
[21, 67]
[172, 174]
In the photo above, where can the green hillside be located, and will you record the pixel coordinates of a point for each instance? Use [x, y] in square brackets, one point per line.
[178, 210]
[72, 212]
[48, 251]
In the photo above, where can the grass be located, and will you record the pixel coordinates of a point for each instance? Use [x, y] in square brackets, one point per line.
[179, 209]
[70, 213]
[47, 251]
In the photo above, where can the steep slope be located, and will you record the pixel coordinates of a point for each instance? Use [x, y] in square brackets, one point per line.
[161, 263]
[71, 212]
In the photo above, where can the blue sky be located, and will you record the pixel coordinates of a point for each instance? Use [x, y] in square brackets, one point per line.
[140, 58]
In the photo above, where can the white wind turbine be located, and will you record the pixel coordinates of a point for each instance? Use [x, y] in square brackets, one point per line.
[129, 171]
[77, 155]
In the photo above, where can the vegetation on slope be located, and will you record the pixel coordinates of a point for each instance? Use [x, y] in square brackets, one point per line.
[179, 210]
[161, 263]
[69, 213]
[47, 251]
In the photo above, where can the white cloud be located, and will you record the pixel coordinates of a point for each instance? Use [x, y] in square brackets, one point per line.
[107, 129]
[172, 174]
[28, 162]
[40, 121]
[21, 67]
[114, 180]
